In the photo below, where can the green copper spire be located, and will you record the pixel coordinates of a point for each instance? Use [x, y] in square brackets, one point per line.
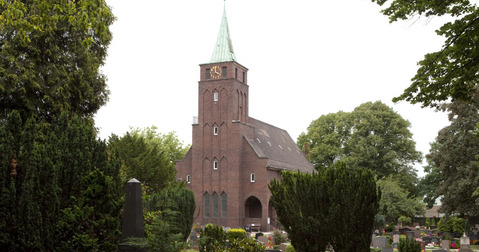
[223, 51]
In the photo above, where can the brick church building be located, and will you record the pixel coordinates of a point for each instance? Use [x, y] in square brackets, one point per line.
[233, 157]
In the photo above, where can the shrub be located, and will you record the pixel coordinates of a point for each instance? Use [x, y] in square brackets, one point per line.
[408, 245]
[278, 237]
[404, 220]
[311, 206]
[451, 224]
[236, 234]
[210, 237]
[290, 248]
[241, 245]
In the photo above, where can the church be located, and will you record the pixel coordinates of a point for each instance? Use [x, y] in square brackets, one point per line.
[233, 157]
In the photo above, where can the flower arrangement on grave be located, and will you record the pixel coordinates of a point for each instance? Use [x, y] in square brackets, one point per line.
[269, 244]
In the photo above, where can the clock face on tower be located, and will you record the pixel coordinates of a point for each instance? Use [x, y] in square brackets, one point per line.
[216, 72]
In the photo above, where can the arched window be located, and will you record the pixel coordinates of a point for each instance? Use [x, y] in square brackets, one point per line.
[206, 205]
[224, 205]
[215, 205]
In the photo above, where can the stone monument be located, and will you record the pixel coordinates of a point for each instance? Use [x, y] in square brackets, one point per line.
[132, 225]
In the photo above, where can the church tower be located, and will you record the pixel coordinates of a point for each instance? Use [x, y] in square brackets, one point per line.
[222, 114]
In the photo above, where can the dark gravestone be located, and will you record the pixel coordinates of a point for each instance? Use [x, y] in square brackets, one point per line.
[132, 225]
[258, 235]
[435, 239]
[427, 239]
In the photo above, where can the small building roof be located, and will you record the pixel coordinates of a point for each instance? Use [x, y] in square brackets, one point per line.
[278, 147]
[223, 51]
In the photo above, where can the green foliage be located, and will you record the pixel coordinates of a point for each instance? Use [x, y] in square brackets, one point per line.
[51, 55]
[451, 224]
[428, 221]
[428, 185]
[212, 236]
[159, 235]
[149, 156]
[235, 234]
[278, 237]
[372, 136]
[95, 211]
[409, 245]
[315, 208]
[66, 193]
[395, 201]
[177, 205]
[449, 73]
[290, 248]
[241, 245]
[454, 155]
[404, 220]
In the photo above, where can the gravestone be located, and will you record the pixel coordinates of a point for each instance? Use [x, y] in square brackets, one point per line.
[258, 235]
[427, 239]
[263, 239]
[132, 225]
[465, 244]
[283, 246]
[396, 238]
[379, 242]
[445, 244]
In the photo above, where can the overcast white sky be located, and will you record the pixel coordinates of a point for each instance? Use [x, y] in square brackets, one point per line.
[306, 58]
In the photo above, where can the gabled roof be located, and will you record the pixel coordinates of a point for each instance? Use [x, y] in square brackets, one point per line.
[223, 51]
[278, 147]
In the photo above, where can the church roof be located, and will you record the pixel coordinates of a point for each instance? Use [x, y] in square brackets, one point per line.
[278, 147]
[223, 51]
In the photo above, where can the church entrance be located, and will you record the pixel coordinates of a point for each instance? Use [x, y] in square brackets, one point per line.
[253, 208]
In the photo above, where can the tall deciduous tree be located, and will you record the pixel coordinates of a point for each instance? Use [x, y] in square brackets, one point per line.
[372, 136]
[149, 156]
[315, 209]
[50, 54]
[456, 159]
[452, 71]
[428, 185]
[395, 201]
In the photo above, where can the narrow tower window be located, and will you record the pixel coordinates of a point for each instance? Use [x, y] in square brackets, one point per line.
[215, 165]
[215, 131]
[188, 179]
[252, 178]
[236, 73]
[215, 97]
